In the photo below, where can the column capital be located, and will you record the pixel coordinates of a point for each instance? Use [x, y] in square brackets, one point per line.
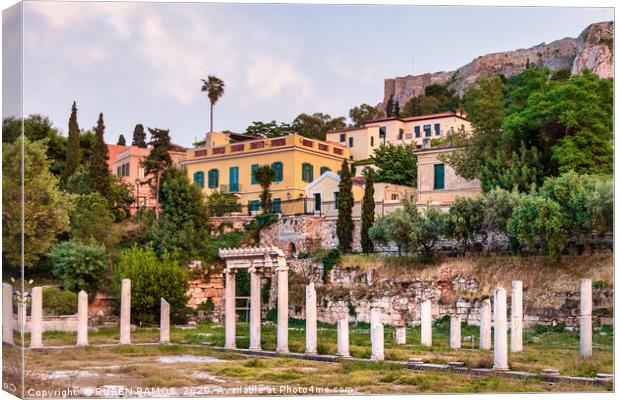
[231, 270]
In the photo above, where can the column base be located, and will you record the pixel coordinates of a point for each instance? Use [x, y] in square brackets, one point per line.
[256, 349]
[282, 350]
[36, 346]
[81, 344]
[125, 342]
[500, 369]
[229, 347]
[343, 355]
[311, 353]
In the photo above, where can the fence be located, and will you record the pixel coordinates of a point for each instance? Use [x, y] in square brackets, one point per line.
[308, 206]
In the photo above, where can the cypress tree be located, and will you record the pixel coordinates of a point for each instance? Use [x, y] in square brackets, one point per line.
[344, 225]
[396, 112]
[139, 136]
[368, 211]
[73, 145]
[158, 160]
[389, 107]
[121, 140]
[98, 166]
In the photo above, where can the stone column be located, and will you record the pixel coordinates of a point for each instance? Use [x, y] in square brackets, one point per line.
[376, 335]
[82, 319]
[343, 337]
[164, 321]
[282, 340]
[126, 311]
[311, 319]
[36, 318]
[455, 331]
[230, 310]
[21, 312]
[500, 345]
[7, 313]
[485, 325]
[585, 319]
[426, 323]
[516, 318]
[254, 309]
[401, 334]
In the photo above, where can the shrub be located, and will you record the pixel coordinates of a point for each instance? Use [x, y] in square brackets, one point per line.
[219, 203]
[392, 228]
[537, 224]
[79, 266]
[465, 221]
[427, 229]
[151, 279]
[59, 302]
[330, 259]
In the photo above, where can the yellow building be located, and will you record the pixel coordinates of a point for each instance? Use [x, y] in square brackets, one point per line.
[322, 194]
[438, 183]
[229, 168]
[363, 141]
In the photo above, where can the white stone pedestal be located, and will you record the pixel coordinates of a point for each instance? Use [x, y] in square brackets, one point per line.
[82, 319]
[255, 309]
[164, 321]
[343, 337]
[426, 323]
[7, 313]
[500, 345]
[585, 319]
[455, 331]
[230, 310]
[311, 315]
[126, 311]
[36, 318]
[282, 339]
[485, 325]
[401, 334]
[516, 318]
[376, 335]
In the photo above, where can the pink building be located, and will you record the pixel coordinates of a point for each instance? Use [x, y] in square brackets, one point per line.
[127, 164]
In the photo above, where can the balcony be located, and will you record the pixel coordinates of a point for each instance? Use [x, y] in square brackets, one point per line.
[227, 188]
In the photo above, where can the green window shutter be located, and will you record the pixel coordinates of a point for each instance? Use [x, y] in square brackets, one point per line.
[439, 176]
[310, 172]
[213, 178]
[306, 172]
[254, 169]
[277, 206]
[254, 205]
[324, 170]
[277, 166]
[199, 179]
[234, 179]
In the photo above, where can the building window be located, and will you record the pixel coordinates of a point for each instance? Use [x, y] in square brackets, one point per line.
[254, 205]
[277, 206]
[437, 130]
[394, 196]
[343, 137]
[439, 176]
[372, 141]
[199, 179]
[277, 166]
[382, 131]
[123, 170]
[324, 170]
[417, 131]
[233, 179]
[427, 131]
[214, 178]
[462, 127]
[307, 172]
[351, 141]
[336, 199]
[118, 171]
[317, 202]
[254, 169]
[401, 132]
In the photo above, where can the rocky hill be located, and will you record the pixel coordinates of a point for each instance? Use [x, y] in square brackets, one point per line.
[593, 49]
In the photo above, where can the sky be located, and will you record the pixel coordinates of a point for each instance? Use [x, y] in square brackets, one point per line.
[142, 62]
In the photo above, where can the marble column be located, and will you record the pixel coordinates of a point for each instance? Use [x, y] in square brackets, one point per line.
[401, 334]
[36, 317]
[500, 344]
[282, 272]
[311, 316]
[343, 337]
[126, 311]
[455, 331]
[485, 325]
[516, 317]
[254, 309]
[376, 335]
[585, 319]
[82, 319]
[230, 310]
[7, 313]
[426, 323]
[164, 321]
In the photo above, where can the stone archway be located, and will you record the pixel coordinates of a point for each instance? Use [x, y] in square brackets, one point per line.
[257, 261]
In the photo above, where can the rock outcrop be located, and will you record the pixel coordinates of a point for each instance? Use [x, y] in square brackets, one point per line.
[593, 49]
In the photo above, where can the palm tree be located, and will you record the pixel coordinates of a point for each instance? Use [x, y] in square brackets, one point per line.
[214, 87]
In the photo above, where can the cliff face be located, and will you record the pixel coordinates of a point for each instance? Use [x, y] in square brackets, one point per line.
[593, 49]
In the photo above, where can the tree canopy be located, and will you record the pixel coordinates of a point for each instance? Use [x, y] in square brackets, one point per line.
[396, 164]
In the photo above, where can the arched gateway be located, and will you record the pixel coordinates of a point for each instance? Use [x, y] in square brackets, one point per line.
[257, 260]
